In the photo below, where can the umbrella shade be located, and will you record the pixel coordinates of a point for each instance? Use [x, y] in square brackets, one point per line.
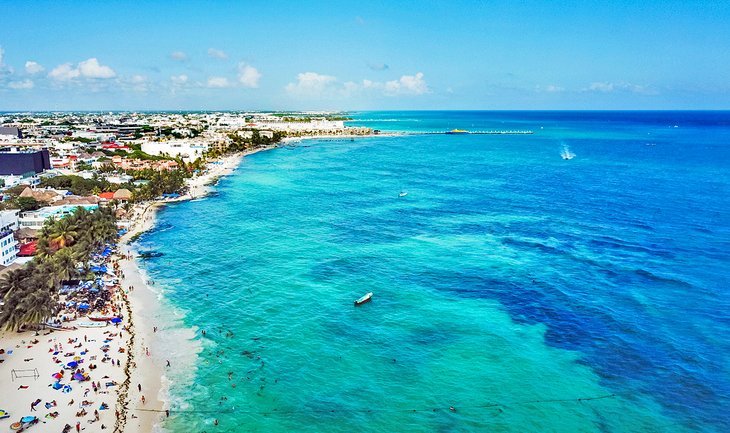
[73, 364]
[57, 376]
[57, 385]
[77, 358]
[116, 320]
[83, 306]
[79, 377]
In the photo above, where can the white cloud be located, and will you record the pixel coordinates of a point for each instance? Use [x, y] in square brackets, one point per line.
[550, 88]
[217, 54]
[32, 67]
[24, 84]
[179, 79]
[314, 84]
[620, 86]
[604, 87]
[248, 76]
[92, 69]
[407, 85]
[311, 83]
[138, 83]
[179, 56]
[218, 82]
[2, 53]
[88, 69]
[64, 72]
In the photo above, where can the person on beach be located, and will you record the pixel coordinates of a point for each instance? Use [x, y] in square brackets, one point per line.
[143, 400]
[139, 387]
[78, 427]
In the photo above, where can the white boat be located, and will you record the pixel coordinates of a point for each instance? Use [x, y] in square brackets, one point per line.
[403, 194]
[366, 298]
[91, 324]
[566, 154]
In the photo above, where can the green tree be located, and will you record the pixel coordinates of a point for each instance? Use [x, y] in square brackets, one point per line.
[27, 203]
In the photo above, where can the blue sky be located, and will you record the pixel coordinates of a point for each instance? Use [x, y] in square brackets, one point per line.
[318, 55]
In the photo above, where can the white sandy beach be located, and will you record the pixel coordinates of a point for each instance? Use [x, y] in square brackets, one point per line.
[149, 371]
[27, 366]
[31, 360]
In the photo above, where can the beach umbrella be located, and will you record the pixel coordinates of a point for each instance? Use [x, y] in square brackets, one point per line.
[77, 358]
[80, 377]
[57, 385]
[57, 376]
[72, 364]
[116, 320]
[83, 306]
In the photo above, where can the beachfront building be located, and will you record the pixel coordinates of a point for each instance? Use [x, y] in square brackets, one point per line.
[8, 244]
[35, 219]
[188, 150]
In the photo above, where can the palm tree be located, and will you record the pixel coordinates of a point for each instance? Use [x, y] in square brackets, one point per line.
[38, 307]
[11, 315]
[11, 282]
[63, 233]
[63, 266]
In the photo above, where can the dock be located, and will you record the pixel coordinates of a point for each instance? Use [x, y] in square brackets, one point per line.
[486, 132]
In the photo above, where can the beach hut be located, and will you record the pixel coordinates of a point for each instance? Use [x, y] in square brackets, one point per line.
[123, 194]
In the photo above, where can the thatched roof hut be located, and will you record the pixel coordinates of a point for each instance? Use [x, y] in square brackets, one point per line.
[123, 194]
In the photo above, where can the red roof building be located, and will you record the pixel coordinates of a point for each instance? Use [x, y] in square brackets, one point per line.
[115, 146]
[106, 195]
[27, 250]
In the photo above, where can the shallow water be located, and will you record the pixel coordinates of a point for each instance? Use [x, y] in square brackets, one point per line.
[508, 283]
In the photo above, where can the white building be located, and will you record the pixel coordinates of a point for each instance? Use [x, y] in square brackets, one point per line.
[119, 178]
[35, 219]
[8, 244]
[13, 179]
[188, 150]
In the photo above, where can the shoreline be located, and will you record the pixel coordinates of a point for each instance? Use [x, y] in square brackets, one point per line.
[143, 303]
[137, 344]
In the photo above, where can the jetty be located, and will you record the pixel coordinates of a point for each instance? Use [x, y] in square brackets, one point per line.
[483, 132]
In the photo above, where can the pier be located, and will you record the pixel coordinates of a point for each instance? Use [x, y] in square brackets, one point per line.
[485, 132]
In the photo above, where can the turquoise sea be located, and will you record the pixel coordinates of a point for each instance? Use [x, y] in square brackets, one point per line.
[514, 290]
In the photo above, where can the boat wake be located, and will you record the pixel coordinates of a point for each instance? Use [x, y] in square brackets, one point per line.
[566, 154]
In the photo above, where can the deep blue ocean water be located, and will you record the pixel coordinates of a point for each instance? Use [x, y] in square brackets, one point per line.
[508, 282]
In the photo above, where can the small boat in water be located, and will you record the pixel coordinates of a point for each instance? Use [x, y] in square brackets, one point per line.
[366, 298]
[566, 154]
[457, 131]
[149, 254]
[403, 194]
